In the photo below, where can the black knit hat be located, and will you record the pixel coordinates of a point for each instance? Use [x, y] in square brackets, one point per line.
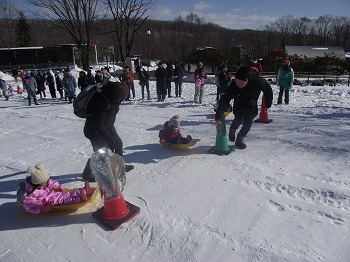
[116, 92]
[243, 73]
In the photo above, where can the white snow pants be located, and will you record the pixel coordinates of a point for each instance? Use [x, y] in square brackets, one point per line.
[198, 94]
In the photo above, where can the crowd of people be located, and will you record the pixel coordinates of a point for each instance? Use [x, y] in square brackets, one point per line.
[62, 88]
[169, 80]
[244, 88]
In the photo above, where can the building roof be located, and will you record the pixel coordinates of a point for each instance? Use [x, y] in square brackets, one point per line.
[315, 51]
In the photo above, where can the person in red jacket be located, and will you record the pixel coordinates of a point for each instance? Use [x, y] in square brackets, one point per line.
[171, 132]
[257, 66]
[128, 78]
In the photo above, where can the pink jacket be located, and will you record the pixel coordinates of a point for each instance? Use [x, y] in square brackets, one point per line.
[38, 200]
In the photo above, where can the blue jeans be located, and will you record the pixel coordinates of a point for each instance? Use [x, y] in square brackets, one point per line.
[31, 94]
[247, 124]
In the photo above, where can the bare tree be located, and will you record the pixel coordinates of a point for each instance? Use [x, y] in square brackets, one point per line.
[77, 18]
[339, 26]
[128, 18]
[8, 12]
[300, 29]
[283, 26]
[323, 25]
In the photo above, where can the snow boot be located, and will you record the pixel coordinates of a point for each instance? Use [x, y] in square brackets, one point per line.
[239, 143]
[87, 173]
[87, 188]
[232, 134]
[128, 168]
[83, 195]
[189, 139]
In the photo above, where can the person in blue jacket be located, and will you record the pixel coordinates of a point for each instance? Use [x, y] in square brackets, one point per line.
[30, 84]
[285, 78]
[70, 85]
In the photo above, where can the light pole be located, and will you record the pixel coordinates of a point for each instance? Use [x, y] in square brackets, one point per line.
[149, 60]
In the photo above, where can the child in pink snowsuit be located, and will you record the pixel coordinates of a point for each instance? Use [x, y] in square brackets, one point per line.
[41, 192]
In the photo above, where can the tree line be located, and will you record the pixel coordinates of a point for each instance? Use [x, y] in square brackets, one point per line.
[125, 26]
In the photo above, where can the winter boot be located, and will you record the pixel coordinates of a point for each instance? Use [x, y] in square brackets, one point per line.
[189, 138]
[87, 173]
[83, 195]
[232, 134]
[239, 143]
[87, 188]
[128, 168]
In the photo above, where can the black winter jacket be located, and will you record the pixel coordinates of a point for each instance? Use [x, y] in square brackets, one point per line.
[245, 99]
[101, 121]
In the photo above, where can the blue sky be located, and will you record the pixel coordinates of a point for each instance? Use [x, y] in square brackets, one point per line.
[252, 14]
[239, 14]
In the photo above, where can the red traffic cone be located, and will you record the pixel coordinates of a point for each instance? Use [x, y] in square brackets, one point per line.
[115, 208]
[263, 118]
[115, 212]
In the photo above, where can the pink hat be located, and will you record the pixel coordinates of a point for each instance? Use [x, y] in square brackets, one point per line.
[175, 121]
[286, 62]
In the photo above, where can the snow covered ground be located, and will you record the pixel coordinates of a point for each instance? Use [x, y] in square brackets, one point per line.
[284, 198]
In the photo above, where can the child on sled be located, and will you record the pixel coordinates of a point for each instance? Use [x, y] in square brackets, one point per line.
[171, 132]
[41, 193]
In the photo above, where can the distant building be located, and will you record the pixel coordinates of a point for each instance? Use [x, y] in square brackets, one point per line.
[347, 56]
[315, 51]
[42, 56]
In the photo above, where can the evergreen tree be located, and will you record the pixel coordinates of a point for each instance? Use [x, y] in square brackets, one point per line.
[23, 32]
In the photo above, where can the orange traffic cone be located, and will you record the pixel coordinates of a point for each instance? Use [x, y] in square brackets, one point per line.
[263, 118]
[115, 212]
[115, 208]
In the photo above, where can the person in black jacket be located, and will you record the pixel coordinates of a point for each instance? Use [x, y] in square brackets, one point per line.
[169, 77]
[83, 80]
[160, 75]
[102, 110]
[245, 90]
[144, 82]
[99, 125]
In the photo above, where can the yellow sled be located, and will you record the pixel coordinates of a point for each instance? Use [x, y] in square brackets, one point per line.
[180, 146]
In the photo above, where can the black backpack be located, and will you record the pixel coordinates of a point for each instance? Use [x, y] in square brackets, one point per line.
[82, 100]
